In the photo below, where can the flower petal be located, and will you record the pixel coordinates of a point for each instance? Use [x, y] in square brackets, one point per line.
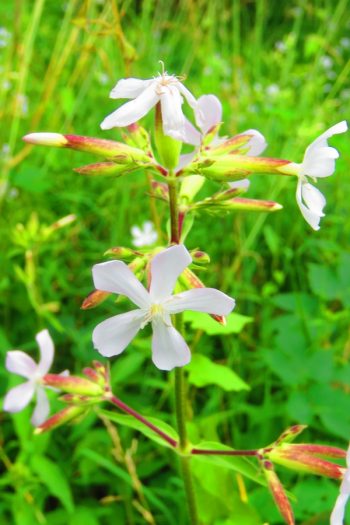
[311, 217]
[112, 336]
[184, 160]
[313, 198]
[172, 116]
[116, 277]
[257, 144]
[19, 397]
[338, 512]
[20, 363]
[191, 134]
[319, 157]
[210, 112]
[188, 95]
[169, 348]
[47, 350]
[243, 183]
[206, 300]
[132, 111]
[42, 407]
[166, 267]
[129, 88]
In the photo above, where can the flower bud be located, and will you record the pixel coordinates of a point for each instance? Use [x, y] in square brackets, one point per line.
[94, 299]
[46, 139]
[290, 434]
[64, 416]
[137, 136]
[199, 257]
[304, 458]
[105, 169]
[235, 167]
[190, 186]
[120, 252]
[278, 493]
[73, 385]
[160, 190]
[231, 145]
[211, 134]
[117, 151]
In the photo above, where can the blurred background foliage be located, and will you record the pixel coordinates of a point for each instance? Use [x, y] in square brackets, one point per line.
[280, 67]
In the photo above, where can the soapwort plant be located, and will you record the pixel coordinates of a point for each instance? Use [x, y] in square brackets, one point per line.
[162, 281]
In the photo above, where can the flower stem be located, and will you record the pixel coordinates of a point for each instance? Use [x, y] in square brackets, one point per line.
[125, 408]
[174, 211]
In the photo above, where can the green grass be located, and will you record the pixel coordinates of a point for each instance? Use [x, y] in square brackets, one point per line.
[266, 62]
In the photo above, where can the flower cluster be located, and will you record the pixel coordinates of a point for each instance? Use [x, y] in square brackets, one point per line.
[171, 284]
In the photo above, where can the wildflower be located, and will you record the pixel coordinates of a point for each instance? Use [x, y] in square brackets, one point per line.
[209, 111]
[22, 364]
[145, 236]
[156, 306]
[145, 94]
[338, 512]
[318, 162]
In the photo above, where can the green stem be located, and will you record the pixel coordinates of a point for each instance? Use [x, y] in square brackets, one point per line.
[180, 410]
[174, 211]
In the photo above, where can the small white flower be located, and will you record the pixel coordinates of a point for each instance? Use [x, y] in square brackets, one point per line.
[22, 364]
[155, 306]
[145, 236]
[242, 183]
[319, 162]
[166, 89]
[338, 512]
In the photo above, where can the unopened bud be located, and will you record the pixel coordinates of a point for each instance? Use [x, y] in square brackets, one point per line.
[211, 134]
[137, 136]
[190, 186]
[106, 148]
[65, 221]
[73, 385]
[64, 416]
[199, 257]
[304, 458]
[290, 434]
[94, 299]
[46, 139]
[160, 190]
[104, 169]
[235, 167]
[120, 252]
[278, 493]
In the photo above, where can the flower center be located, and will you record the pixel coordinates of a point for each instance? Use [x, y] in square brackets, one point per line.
[156, 310]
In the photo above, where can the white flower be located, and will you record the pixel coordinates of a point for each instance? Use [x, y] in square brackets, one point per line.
[209, 114]
[166, 89]
[319, 161]
[22, 364]
[155, 306]
[338, 512]
[145, 236]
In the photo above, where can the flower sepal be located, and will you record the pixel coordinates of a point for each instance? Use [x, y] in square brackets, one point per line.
[236, 204]
[74, 385]
[168, 148]
[278, 493]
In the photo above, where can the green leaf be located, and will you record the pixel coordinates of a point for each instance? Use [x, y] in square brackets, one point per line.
[237, 463]
[234, 323]
[53, 477]
[34, 180]
[323, 281]
[131, 422]
[203, 372]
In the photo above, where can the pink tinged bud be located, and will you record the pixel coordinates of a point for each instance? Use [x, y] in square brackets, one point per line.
[46, 139]
[73, 385]
[120, 252]
[251, 205]
[65, 221]
[290, 434]
[64, 416]
[199, 257]
[233, 145]
[94, 299]
[160, 190]
[105, 169]
[211, 134]
[137, 136]
[295, 457]
[278, 493]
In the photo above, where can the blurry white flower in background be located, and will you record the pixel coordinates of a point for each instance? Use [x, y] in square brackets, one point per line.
[144, 236]
[5, 36]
